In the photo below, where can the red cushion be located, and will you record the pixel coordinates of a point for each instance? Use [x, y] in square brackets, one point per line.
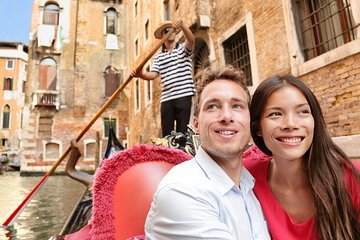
[133, 194]
[105, 180]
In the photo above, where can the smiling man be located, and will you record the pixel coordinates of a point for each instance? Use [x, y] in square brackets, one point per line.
[211, 196]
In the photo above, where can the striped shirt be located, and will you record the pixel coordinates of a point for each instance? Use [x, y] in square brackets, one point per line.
[175, 70]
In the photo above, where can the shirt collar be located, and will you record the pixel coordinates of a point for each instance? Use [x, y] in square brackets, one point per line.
[165, 50]
[220, 179]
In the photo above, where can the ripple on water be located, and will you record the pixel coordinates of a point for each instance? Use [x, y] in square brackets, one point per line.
[47, 211]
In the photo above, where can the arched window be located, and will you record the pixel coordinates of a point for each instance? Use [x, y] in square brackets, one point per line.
[8, 84]
[6, 117]
[201, 56]
[111, 21]
[47, 77]
[51, 14]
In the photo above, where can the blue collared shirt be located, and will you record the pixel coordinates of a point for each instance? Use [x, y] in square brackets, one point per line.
[198, 200]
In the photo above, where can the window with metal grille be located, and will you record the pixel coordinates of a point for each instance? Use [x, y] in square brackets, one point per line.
[324, 25]
[109, 123]
[237, 53]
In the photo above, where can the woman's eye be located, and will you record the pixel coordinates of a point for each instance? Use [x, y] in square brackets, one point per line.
[274, 114]
[304, 111]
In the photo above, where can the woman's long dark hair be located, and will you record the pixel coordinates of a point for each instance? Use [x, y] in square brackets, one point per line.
[336, 216]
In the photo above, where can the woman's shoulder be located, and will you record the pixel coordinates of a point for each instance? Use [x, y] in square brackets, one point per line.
[352, 183]
[356, 164]
[255, 160]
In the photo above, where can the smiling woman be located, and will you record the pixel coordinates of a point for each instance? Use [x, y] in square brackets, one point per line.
[305, 182]
[15, 17]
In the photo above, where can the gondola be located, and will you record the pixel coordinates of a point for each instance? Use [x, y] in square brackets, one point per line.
[175, 148]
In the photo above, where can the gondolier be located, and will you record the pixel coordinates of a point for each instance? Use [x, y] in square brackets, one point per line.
[174, 67]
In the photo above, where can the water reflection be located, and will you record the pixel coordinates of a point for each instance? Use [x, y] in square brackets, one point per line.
[46, 213]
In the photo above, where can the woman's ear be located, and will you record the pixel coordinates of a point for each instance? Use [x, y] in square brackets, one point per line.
[259, 133]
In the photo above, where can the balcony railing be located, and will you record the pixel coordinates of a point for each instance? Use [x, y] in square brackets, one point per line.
[46, 98]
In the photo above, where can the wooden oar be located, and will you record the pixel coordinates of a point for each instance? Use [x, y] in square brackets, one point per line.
[22, 206]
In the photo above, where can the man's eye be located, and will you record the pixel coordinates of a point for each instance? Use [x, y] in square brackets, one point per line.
[239, 106]
[212, 106]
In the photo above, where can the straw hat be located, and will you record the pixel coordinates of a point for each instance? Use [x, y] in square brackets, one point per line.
[162, 27]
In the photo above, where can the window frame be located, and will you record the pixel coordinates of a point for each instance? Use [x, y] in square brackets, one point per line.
[136, 8]
[6, 117]
[246, 21]
[148, 89]
[237, 54]
[88, 142]
[44, 81]
[146, 30]
[106, 125]
[45, 123]
[167, 10]
[115, 21]
[8, 84]
[51, 12]
[323, 25]
[299, 66]
[112, 78]
[45, 149]
[137, 96]
[10, 61]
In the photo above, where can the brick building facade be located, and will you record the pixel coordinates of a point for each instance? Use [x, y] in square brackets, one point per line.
[317, 42]
[13, 67]
[76, 62]
[94, 44]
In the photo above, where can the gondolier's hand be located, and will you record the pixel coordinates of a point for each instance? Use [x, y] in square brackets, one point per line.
[135, 73]
[178, 25]
[75, 152]
[143, 75]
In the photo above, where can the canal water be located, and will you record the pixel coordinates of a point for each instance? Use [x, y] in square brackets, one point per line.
[47, 212]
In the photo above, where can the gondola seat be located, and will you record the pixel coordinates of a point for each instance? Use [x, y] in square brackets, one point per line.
[123, 189]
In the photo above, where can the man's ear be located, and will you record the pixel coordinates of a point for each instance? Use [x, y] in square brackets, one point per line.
[196, 124]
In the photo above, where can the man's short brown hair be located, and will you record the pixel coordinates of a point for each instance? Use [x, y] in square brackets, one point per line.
[209, 75]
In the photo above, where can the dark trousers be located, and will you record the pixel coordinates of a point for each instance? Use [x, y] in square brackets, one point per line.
[178, 110]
